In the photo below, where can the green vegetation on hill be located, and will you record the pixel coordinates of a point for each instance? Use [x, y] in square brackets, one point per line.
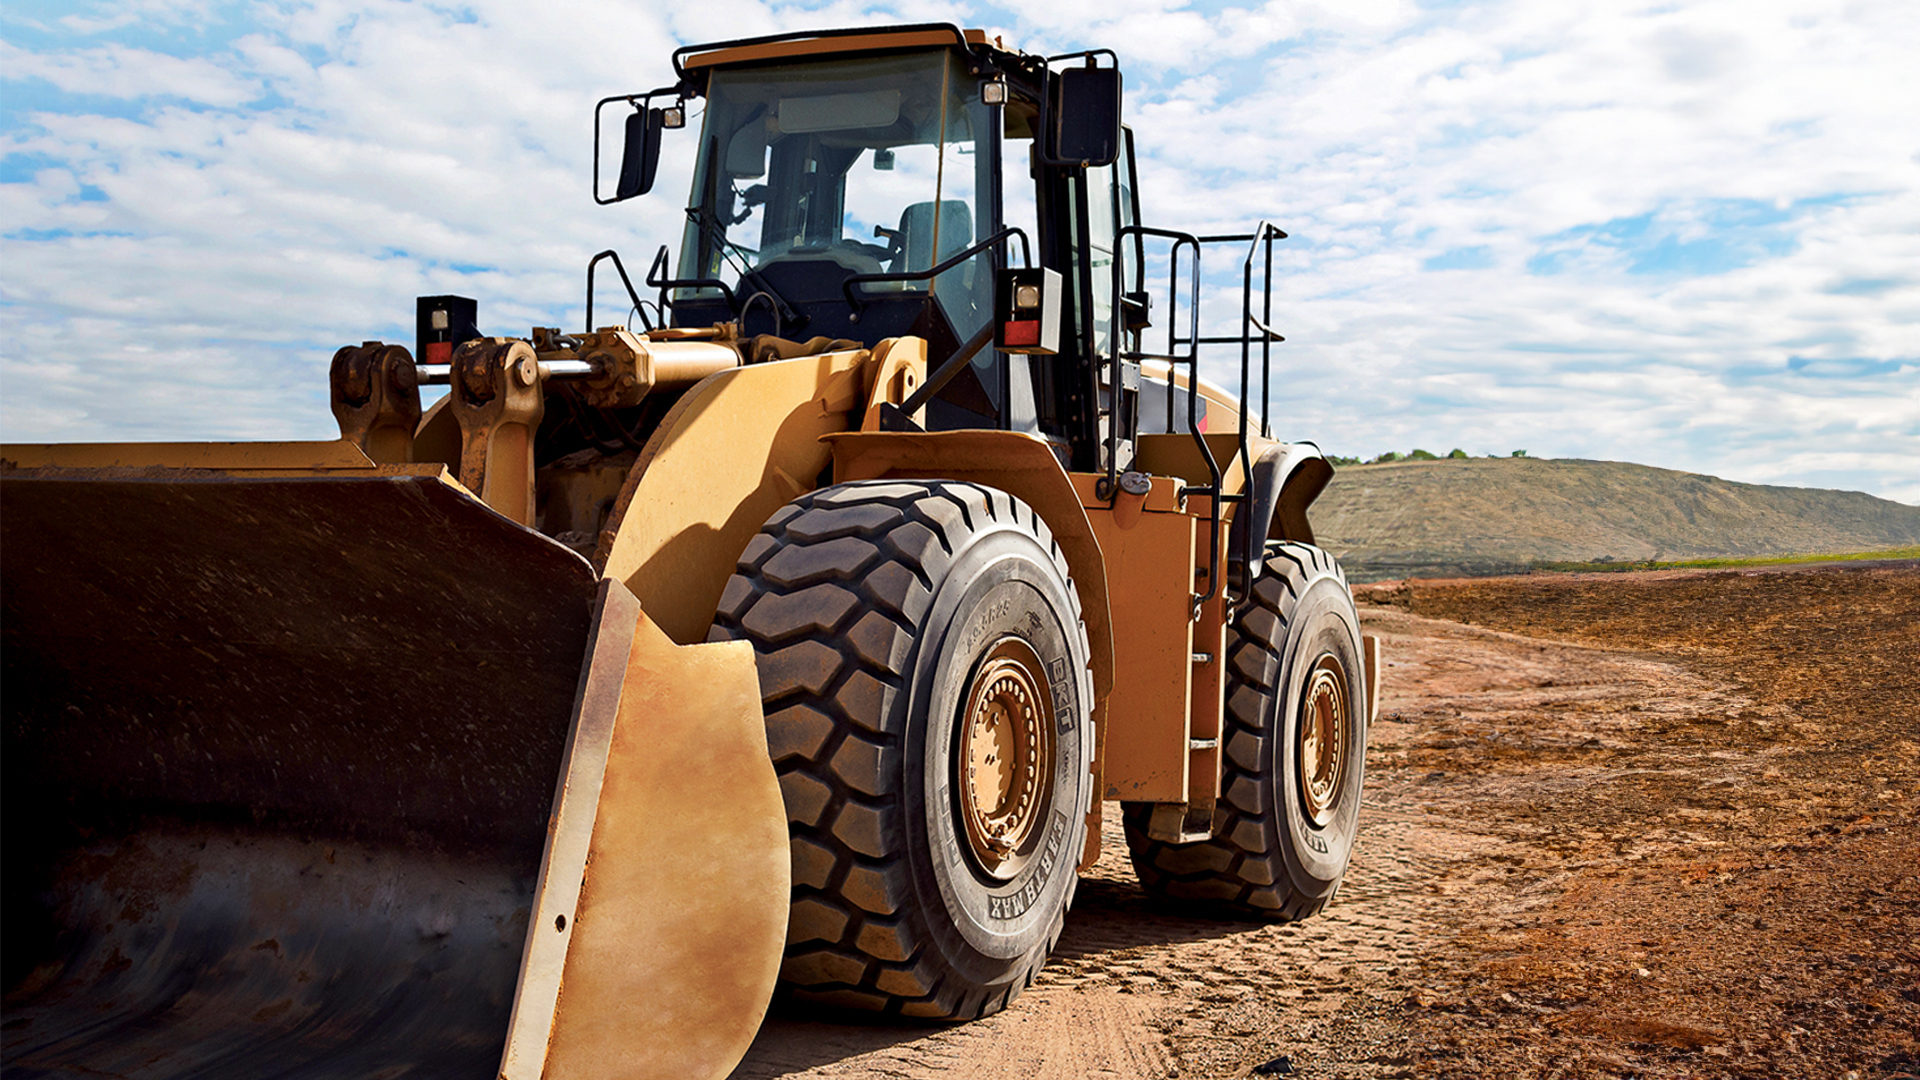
[1476, 516]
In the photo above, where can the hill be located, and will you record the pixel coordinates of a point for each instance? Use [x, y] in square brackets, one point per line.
[1467, 518]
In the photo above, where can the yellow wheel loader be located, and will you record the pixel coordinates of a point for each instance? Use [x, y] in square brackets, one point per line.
[786, 634]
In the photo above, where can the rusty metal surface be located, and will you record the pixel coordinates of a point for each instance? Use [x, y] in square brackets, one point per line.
[376, 399]
[673, 945]
[279, 754]
[496, 388]
[336, 454]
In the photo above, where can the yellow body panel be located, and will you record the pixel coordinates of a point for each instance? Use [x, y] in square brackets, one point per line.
[656, 935]
[808, 47]
[1017, 464]
[734, 449]
[1144, 749]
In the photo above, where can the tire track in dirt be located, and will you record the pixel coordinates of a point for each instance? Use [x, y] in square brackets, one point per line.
[1137, 990]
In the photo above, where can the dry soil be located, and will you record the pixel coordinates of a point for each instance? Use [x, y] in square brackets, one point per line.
[1623, 825]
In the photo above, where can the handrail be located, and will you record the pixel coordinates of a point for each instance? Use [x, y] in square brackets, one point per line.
[855, 302]
[1186, 351]
[1213, 489]
[624, 280]
[663, 284]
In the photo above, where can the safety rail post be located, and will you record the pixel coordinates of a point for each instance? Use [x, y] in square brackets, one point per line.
[624, 280]
[1173, 357]
[1259, 242]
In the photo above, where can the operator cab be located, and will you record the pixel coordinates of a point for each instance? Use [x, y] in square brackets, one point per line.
[812, 174]
[849, 186]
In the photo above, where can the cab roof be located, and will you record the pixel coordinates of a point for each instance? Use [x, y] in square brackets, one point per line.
[840, 42]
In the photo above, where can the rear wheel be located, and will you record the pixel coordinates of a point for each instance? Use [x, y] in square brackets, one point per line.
[924, 672]
[1296, 739]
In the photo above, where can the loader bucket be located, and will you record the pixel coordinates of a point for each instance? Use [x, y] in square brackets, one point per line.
[335, 772]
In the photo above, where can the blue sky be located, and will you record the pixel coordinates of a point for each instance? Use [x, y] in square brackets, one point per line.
[1685, 234]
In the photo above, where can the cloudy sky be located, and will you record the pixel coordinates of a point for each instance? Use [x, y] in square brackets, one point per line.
[1682, 233]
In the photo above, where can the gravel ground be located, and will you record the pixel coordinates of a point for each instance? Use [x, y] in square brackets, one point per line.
[1623, 825]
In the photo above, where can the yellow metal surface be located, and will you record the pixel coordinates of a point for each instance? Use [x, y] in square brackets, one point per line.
[734, 449]
[1177, 455]
[662, 907]
[627, 367]
[1322, 751]
[1162, 498]
[496, 394]
[376, 399]
[828, 46]
[438, 436]
[1006, 755]
[1019, 465]
[1144, 747]
[1372, 661]
[336, 454]
[1209, 697]
[899, 367]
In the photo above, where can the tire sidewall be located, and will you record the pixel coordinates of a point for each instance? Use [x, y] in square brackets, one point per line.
[1003, 582]
[1322, 622]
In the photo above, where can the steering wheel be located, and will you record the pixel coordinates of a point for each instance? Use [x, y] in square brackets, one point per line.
[896, 243]
[872, 251]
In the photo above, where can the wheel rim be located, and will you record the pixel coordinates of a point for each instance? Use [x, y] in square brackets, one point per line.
[1005, 763]
[1322, 751]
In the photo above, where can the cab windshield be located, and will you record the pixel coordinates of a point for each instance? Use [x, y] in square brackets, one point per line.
[853, 167]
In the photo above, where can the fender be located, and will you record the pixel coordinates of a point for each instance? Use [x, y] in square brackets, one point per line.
[1021, 466]
[1287, 477]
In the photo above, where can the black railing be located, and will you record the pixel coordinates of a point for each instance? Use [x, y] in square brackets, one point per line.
[856, 302]
[1185, 351]
[624, 280]
[656, 279]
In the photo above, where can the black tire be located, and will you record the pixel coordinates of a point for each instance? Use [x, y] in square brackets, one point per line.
[1281, 838]
[889, 617]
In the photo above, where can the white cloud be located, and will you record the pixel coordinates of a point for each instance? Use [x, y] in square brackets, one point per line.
[1724, 193]
[120, 72]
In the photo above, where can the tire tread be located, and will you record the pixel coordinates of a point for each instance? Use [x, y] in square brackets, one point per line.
[847, 943]
[1242, 867]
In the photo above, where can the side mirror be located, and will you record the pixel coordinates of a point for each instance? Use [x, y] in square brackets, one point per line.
[1086, 124]
[640, 157]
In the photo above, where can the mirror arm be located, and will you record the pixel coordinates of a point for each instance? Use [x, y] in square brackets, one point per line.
[1045, 140]
[642, 102]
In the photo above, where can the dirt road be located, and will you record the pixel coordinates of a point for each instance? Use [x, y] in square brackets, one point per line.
[1629, 825]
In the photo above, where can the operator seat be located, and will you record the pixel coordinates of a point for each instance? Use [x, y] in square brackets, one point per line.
[919, 250]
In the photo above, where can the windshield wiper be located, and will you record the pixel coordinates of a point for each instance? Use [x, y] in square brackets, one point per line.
[716, 234]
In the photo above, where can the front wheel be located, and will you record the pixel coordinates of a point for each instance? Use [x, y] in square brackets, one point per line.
[1296, 740]
[923, 667]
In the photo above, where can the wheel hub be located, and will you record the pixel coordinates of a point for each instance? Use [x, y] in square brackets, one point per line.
[1323, 740]
[1005, 760]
